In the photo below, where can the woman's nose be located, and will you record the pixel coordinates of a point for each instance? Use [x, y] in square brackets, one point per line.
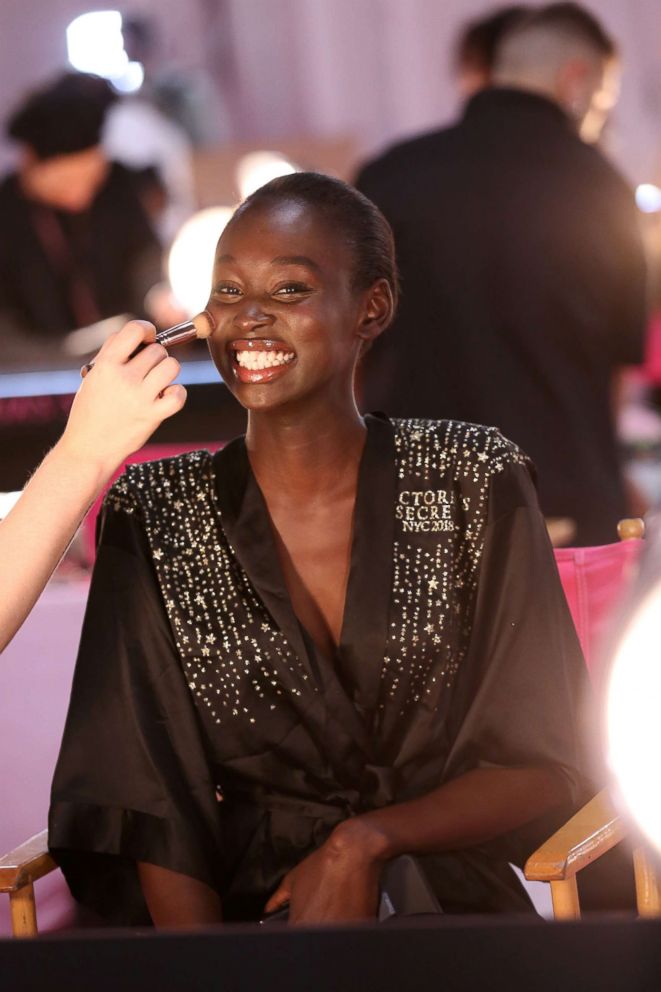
[252, 316]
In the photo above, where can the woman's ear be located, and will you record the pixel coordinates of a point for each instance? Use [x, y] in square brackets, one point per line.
[378, 312]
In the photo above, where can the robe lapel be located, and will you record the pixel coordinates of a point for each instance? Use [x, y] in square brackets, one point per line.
[247, 527]
[365, 624]
[349, 681]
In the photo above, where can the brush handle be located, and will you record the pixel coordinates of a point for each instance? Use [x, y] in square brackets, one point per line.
[179, 334]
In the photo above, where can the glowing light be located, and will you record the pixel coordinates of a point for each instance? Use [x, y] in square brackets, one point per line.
[131, 80]
[190, 262]
[634, 728]
[95, 44]
[648, 198]
[257, 168]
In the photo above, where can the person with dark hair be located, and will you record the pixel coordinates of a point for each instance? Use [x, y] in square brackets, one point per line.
[523, 270]
[76, 244]
[339, 640]
[477, 45]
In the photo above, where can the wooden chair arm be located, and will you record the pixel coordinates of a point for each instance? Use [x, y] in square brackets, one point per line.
[26, 863]
[590, 833]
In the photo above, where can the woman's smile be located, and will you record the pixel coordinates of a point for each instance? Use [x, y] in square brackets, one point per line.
[260, 360]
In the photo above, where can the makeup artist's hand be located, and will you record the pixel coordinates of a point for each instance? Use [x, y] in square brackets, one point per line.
[122, 400]
[120, 403]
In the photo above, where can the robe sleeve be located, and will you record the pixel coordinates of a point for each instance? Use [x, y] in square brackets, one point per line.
[523, 698]
[132, 782]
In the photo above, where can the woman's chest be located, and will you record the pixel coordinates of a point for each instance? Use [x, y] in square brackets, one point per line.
[313, 547]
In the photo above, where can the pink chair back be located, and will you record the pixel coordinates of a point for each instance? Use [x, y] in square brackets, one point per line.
[594, 581]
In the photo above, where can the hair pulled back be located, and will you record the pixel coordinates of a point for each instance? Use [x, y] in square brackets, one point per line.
[353, 217]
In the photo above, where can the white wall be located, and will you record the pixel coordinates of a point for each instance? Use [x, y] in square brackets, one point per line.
[381, 68]
[377, 69]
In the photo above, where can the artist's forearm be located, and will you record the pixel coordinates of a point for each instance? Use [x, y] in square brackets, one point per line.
[472, 809]
[37, 532]
[176, 900]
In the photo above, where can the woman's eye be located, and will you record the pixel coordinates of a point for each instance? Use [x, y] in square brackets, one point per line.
[224, 290]
[292, 289]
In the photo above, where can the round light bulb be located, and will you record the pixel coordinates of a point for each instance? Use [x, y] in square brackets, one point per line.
[633, 724]
[258, 168]
[190, 262]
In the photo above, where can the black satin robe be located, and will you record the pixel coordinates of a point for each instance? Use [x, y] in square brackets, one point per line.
[207, 734]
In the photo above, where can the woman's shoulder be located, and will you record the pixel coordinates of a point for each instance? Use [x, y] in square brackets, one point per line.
[175, 481]
[452, 445]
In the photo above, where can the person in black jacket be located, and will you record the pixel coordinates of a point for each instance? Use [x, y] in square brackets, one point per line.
[477, 45]
[77, 244]
[522, 267]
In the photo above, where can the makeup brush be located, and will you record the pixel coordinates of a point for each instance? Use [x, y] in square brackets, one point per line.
[198, 327]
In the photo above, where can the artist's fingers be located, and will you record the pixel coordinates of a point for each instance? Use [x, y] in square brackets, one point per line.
[147, 359]
[280, 897]
[162, 374]
[172, 400]
[121, 345]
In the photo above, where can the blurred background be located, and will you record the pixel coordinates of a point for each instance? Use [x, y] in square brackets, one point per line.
[365, 72]
[206, 90]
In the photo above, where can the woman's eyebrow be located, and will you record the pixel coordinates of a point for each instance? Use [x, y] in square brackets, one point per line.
[280, 260]
[296, 260]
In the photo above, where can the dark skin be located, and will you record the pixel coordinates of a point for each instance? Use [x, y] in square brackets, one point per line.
[305, 438]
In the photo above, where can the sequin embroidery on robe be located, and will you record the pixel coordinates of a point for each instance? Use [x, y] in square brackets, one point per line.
[457, 652]
[240, 666]
[444, 471]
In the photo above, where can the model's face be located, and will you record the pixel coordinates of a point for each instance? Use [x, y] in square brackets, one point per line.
[288, 320]
[65, 182]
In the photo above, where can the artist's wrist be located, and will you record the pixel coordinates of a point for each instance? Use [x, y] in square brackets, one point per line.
[84, 472]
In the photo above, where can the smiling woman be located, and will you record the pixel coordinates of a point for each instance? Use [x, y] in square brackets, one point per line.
[336, 641]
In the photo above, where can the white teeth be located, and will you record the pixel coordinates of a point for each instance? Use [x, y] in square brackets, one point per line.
[257, 360]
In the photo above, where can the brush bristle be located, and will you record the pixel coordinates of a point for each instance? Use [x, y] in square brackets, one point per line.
[204, 324]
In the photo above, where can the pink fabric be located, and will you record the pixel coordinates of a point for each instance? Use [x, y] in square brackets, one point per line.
[652, 365]
[649, 373]
[594, 580]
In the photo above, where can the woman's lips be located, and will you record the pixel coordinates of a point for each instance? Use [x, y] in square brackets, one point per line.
[260, 360]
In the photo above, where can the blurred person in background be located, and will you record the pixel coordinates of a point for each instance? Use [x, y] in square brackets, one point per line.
[139, 136]
[186, 96]
[76, 244]
[523, 271]
[157, 129]
[477, 46]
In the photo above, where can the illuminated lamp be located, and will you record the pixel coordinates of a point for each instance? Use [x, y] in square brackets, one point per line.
[190, 262]
[633, 703]
[258, 168]
[648, 198]
[95, 44]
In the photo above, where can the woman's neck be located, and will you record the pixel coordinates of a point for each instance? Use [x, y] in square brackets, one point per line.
[304, 457]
